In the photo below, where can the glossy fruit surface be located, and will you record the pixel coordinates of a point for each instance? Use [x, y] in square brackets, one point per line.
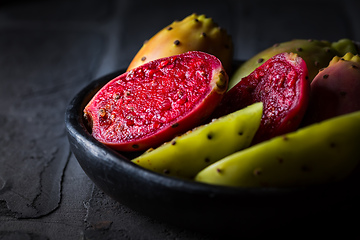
[187, 154]
[315, 53]
[281, 83]
[318, 154]
[150, 104]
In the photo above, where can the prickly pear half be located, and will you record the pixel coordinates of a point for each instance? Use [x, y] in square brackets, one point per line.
[317, 55]
[150, 104]
[185, 155]
[335, 90]
[193, 33]
[317, 154]
[281, 83]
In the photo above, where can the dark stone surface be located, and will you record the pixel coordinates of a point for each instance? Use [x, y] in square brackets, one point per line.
[49, 50]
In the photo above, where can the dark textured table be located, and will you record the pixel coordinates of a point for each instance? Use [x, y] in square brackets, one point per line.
[49, 50]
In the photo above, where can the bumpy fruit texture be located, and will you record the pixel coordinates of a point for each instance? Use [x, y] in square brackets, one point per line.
[335, 90]
[317, 55]
[193, 33]
[151, 104]
[281, 84]
[189, 153]
[318, 154]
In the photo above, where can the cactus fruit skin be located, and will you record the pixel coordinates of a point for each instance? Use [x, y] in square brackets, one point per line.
[151, 104]
[317, 154]
[187, 154]
[345, 45]
[282, 85]
[193, 33]
[317, 55]
[335, 90]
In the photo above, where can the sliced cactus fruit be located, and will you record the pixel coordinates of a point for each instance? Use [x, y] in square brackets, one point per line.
[281, 84]
[187, 154]
[335, 90]
[318, 154]
[317, 55]
[151, 104]
[193, 33]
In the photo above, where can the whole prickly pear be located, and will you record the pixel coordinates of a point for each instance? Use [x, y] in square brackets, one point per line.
[317, 54]
[193, 33]
[187, 154]
[151, 104]
[335, 90]
[320, 153]
[281, 83]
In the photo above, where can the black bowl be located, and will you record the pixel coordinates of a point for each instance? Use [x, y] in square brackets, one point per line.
[193, 205]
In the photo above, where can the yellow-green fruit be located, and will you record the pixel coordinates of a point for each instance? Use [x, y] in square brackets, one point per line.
[189, 153]
[317, 55]
[320, 153]
[347, 57]
[193, 33]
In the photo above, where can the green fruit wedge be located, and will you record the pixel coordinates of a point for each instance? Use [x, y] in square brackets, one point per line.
[191, 152]
[320, 153]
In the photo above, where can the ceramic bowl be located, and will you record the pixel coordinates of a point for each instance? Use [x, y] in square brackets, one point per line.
[207, 208]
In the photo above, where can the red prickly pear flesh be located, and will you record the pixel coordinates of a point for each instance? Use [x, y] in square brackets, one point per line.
[282, 84]
[153, 103]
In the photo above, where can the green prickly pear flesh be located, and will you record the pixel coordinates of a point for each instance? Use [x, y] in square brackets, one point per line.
[153, 103]
[281, 84]
[318, 154]
[186, 155]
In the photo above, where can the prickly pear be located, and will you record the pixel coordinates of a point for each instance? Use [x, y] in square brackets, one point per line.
[150, 104]
[318, 154]
[281, 84]
[193, 33]
[335, 90]
[187, 154]
[317, 55]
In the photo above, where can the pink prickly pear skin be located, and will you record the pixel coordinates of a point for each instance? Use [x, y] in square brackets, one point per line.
[335, 90]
